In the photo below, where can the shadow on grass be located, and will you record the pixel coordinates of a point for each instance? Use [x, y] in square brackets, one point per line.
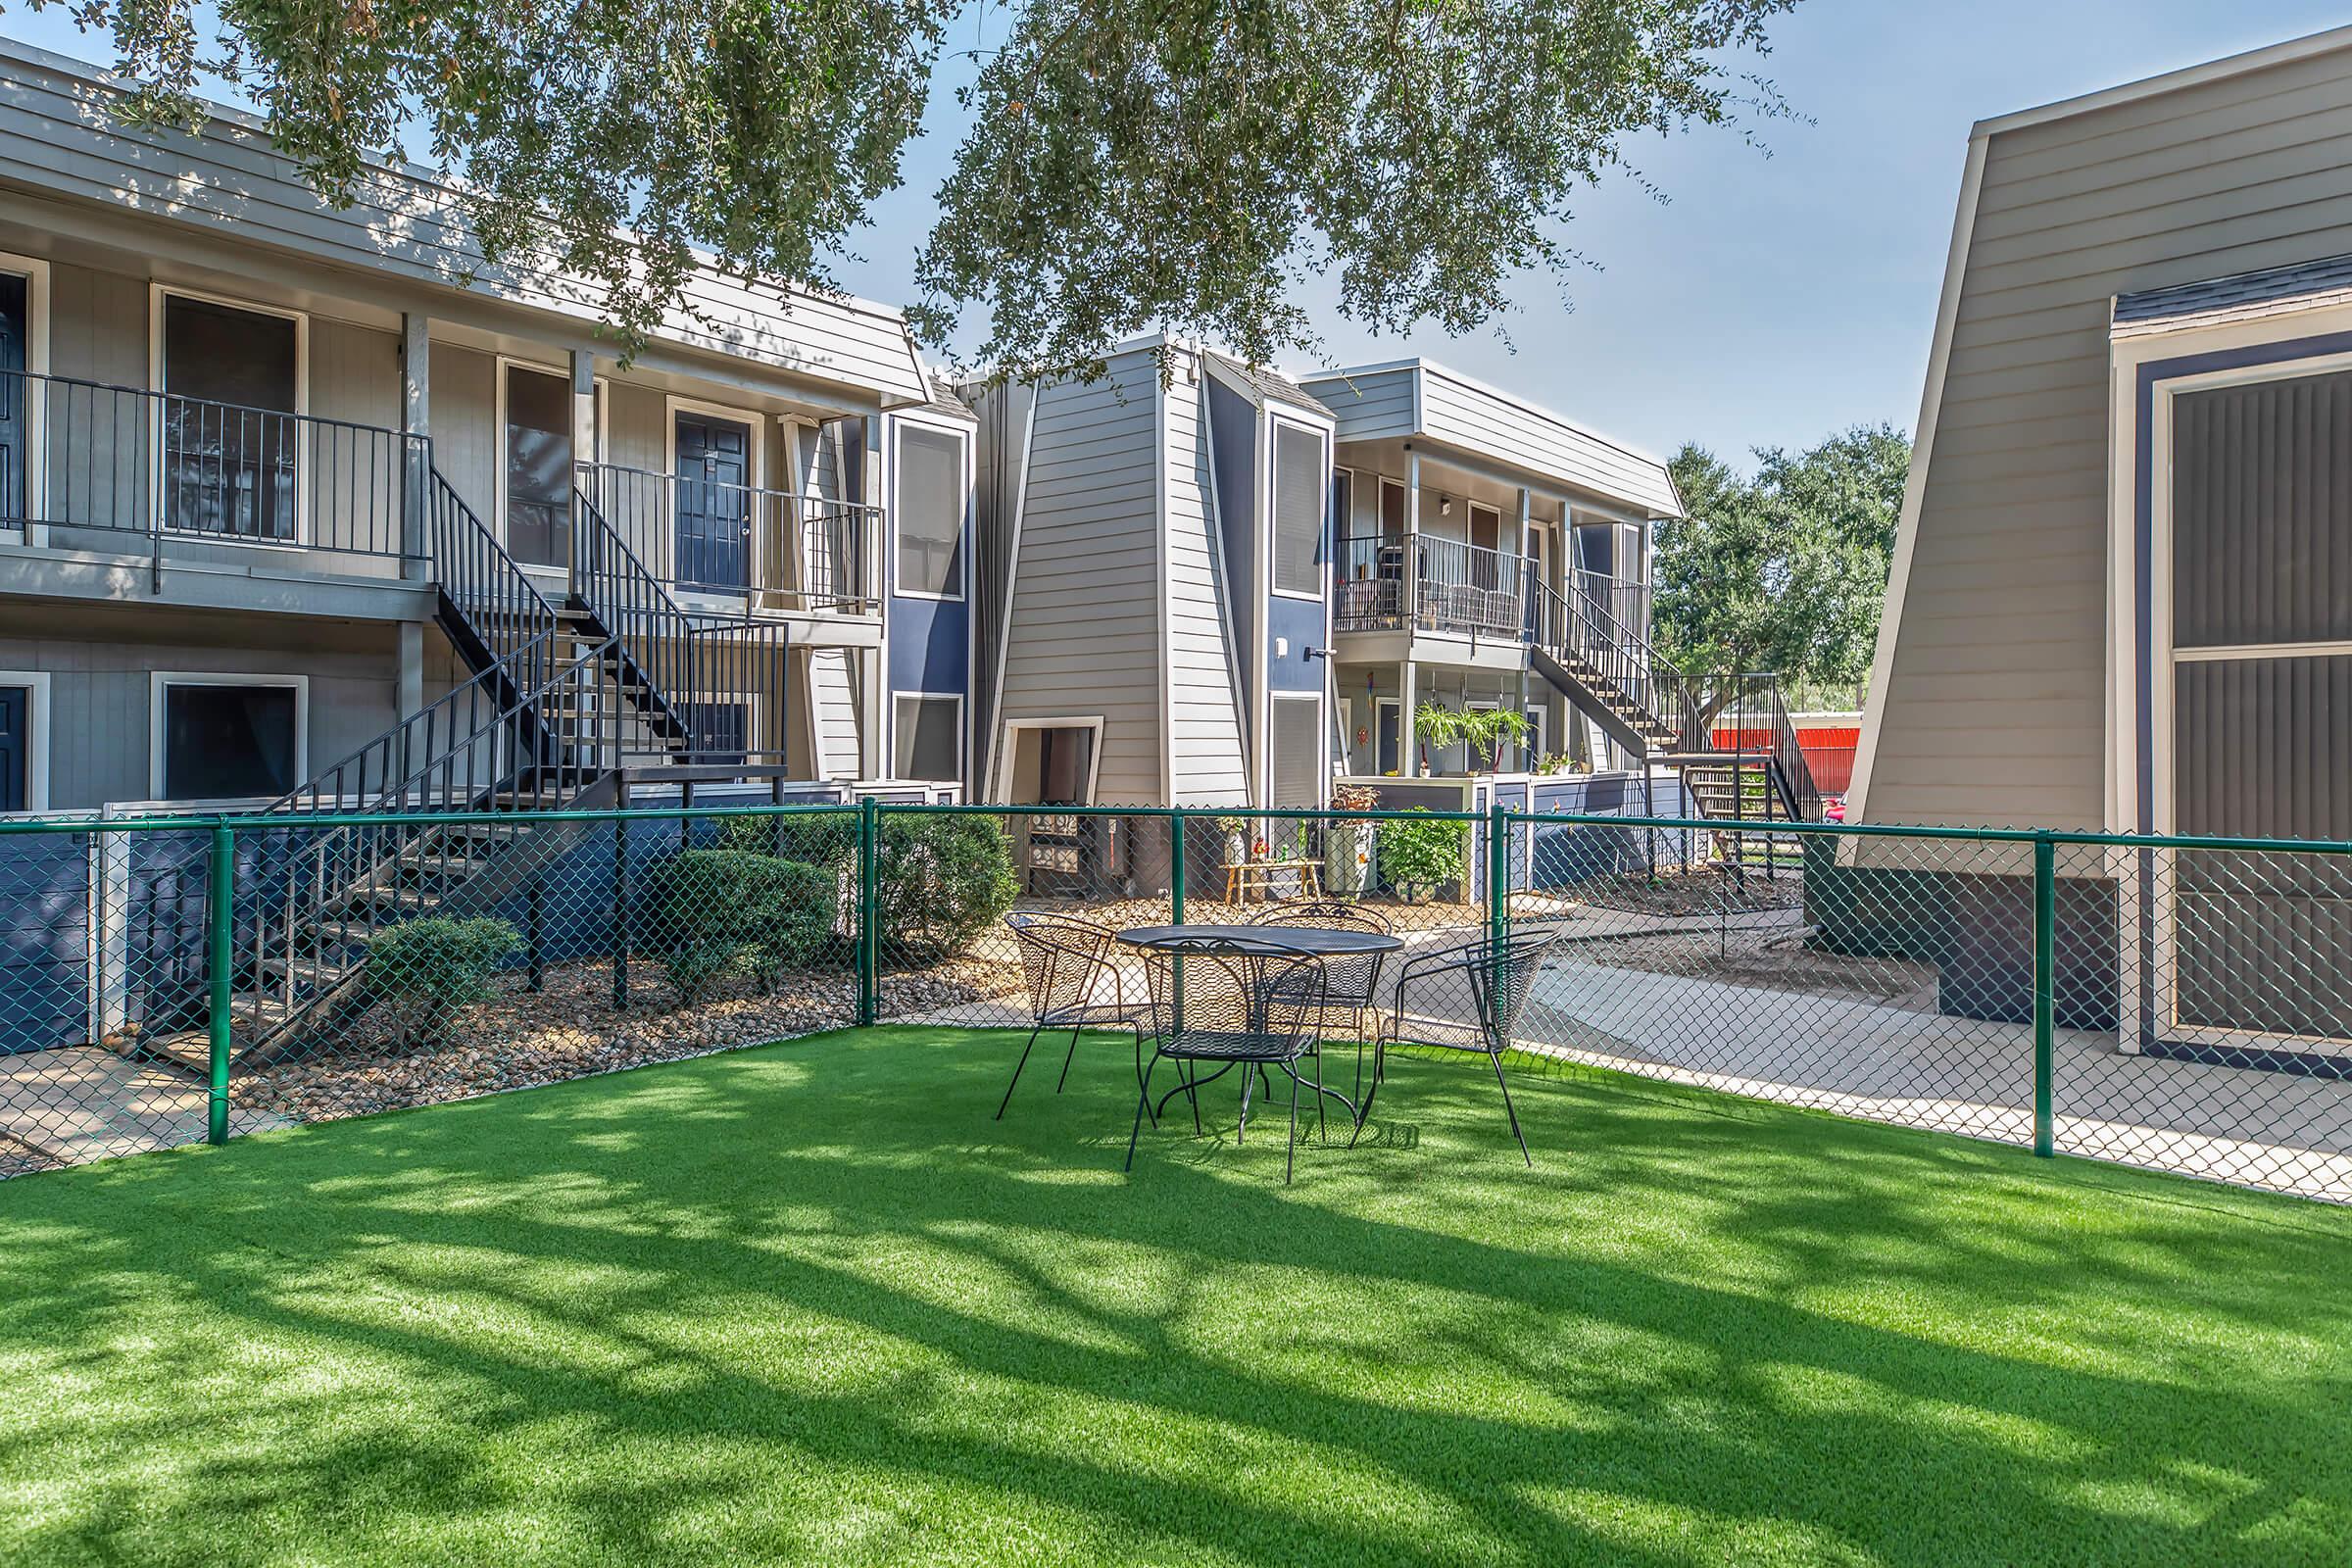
[812, 1304]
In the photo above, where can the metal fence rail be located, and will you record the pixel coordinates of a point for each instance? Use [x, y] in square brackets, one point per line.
[2178, 1004]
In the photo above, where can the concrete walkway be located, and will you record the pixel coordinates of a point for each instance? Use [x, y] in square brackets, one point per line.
[2252, 1127]
[83, 1102]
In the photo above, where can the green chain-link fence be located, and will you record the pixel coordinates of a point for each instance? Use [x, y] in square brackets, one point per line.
[2184, 1005]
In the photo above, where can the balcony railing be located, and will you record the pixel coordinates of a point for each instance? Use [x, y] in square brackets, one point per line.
[769, 548]
[97, 464]
[1457, 588]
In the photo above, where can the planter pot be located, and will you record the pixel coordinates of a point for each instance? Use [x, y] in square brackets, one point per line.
[1236, 849]
[1348, 865]
[1415, 892]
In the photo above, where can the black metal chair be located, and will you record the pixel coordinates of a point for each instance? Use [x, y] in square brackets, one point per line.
[1355, 980]
[1220, 1002]
[1462, 998]
[1067, 961]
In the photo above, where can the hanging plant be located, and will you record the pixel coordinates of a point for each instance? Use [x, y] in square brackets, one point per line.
[1482, 729]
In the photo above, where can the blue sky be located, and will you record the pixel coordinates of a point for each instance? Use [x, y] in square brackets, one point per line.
[1771, 300]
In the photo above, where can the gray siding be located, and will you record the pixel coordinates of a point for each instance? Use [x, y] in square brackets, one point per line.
[1205, 720]
[1373, 406]
[1993, 710]
[1085, 633]
[101, 665]
[55, 138]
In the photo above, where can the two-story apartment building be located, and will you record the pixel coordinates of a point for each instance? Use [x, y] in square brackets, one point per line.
[277, 478]
[1489, 554]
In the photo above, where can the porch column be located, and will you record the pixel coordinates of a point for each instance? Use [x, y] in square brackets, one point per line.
[417, 463]
[1410, 587]
[872, 760]
[583, 432]
[1408, 763]
[412, 668]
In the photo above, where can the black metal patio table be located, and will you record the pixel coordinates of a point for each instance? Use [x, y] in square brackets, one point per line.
[1263, 942]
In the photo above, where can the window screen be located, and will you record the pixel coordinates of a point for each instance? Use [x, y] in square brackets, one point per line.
[1301, 477]
[928, 745]
[228, 742]
[229, 430]
[930, 519]
[1298, 752]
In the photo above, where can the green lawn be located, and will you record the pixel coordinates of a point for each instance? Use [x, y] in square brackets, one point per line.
[810, 1304]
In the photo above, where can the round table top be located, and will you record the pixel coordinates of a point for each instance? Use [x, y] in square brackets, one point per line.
[1324, 941]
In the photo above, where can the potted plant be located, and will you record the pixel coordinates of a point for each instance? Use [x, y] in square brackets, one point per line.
[1348, 849]
[1480, 730]
[1419, 857]
[1236, 839]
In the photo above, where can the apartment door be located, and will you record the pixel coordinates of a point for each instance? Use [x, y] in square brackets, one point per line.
[2261, 720]
[1387, 732]
[15, 749]
[13, 401]
[714, 500]
[229, 435]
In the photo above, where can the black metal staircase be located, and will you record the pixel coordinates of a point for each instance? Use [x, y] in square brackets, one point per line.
[560, 700]
[1730, 739]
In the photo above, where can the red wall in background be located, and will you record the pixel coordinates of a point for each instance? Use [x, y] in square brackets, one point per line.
[1829, 750]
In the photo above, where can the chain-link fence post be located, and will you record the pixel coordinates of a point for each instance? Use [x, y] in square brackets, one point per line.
[1498, 872]
[621, 899]
[2046, 946]
[869, 939]
[1176, 902]
[221, 929]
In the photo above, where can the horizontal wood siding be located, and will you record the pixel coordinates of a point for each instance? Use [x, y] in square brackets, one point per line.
[1469, 417]
[101, 663]
[1994, 708]
[1377, 406]
[1204, 724]
[55, 138]
[1085, 633]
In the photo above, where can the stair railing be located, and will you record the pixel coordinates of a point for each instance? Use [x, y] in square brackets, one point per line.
[487, 599]
[711, 685]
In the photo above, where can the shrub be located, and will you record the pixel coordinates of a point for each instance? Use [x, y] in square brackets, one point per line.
[940, 881]
[710, 913]
[811, 838]
[423, 972]
[1420, 853]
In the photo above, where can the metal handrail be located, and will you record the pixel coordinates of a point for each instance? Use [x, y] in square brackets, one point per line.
[771, 548]
[107, 457]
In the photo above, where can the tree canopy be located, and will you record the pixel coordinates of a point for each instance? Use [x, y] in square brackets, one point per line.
[1786, 572]
[1126, 164]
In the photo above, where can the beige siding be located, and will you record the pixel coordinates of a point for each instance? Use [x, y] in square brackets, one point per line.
[97, 325]
[1205, 723]
[1994, 709]
[1085, 626]
[101, 665]
[465, 425]
[55, 138]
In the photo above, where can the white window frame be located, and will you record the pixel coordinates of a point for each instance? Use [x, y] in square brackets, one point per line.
[963, 741]
[1013, 747]
[35, 273]
[36, 685]
[498, 440]
[900, 423]
[157, 294]
[160, 683]
[1275, 425]
[1397, 702]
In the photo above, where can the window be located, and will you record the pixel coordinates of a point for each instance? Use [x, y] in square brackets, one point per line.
[1302, 475]
[1300, 749]
[1052, 763]
[24, 740]
[930, 512]
[235, 381]
[1392, 510]
[229, 737]
[930, 741]
[538, 480]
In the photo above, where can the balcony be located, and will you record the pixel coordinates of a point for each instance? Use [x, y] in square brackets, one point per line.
[1456, 589]
[124, 470]
[766, 550]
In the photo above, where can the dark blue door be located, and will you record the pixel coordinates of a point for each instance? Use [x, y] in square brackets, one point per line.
[714, 500]
[13, 398]
[15, 749]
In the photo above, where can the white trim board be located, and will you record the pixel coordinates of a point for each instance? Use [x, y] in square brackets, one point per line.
[1094, 771]
[35, 273]
[963, 741]
[961, 433]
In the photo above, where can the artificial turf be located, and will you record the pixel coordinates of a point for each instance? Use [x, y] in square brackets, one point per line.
[810, 1303]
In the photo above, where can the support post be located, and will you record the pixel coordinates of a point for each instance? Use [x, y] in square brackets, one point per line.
[1408, 749]
[1499, 868]
[1176, 902]
[220, 923]
[416, 453]
[2045, 964]
[869, 936]
[583, 445]
[620, 899]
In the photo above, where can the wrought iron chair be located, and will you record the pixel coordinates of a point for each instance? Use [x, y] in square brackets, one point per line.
[1067, 961]
[1355, 980]
[1463, 997]
[1220, 1002]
